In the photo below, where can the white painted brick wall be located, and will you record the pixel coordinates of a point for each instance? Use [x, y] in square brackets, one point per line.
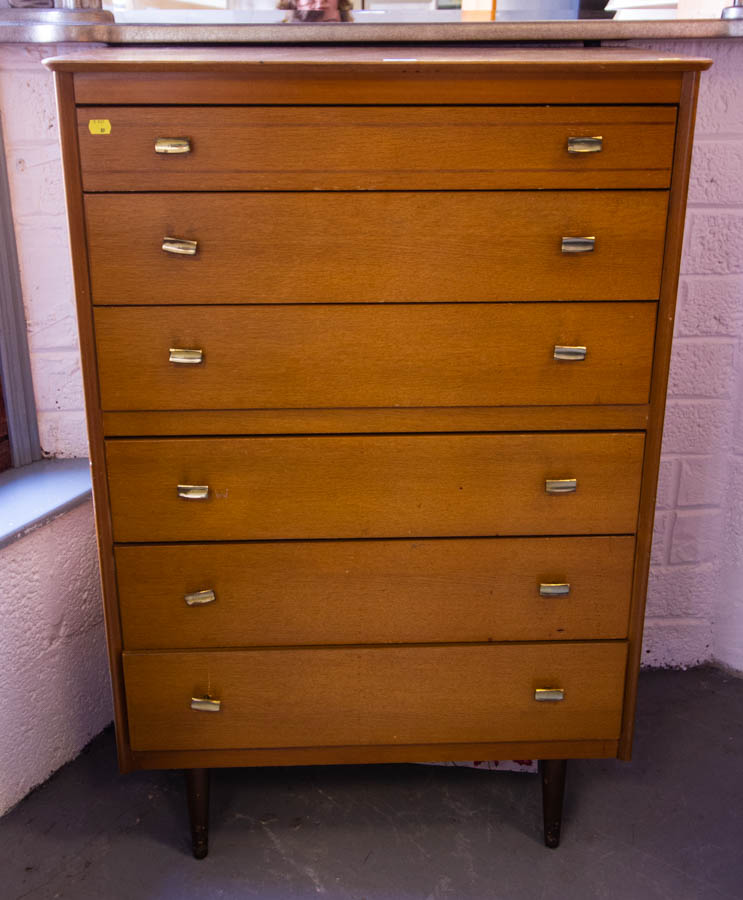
[36, 186]
[695, 593]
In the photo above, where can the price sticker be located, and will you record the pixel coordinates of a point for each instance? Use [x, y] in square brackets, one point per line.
[99, 126]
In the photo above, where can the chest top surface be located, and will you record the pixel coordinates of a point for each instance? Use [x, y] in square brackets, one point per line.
[367, 74]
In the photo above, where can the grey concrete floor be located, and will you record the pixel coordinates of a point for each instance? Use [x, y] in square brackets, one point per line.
[667, 825]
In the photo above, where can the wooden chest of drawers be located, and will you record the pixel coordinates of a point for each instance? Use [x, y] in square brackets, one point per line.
[375, 355]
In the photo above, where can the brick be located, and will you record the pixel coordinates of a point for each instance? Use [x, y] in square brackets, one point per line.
[717, 172]
[683, 590]
[738, 422]
[54, 327]
[710, 305]
[46, 270]
[719, 110]
[16, 58]
[29, 107]
[728, 645]
[702, 368]
[63, 434]
[36, 182]
[656, 601]
[713, 243]
[696, 426]
[702, 481]
[734, 516]
[668, 475]
[676, 643]
[57, 380]
[696, 536]
[662, 528]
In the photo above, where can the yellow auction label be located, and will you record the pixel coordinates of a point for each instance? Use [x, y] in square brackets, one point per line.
[99, 126]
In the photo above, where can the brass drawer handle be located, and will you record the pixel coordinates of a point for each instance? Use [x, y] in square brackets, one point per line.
[554, 590]
[193, 491]
[186, 357]
[179, 246]
[172, 145]
[585, 144]
[578, 244]
[200, 598]
[549, 695]
[568, 354]
[561, 485]
[205, 704]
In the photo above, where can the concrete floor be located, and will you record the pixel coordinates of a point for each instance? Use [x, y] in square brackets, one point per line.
[667, 825]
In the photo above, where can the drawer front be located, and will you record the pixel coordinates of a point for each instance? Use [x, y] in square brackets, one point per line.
[380, 695]
[374, 356]
[373, 486]
[351, 148]
[374, 592]
[338, 247]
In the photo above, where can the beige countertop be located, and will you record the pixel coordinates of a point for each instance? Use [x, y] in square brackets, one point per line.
[48, 27]
[227, 59]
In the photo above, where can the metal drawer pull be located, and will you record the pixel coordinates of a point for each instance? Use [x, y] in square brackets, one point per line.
[561, 485]
[180, 246]
[585, 144]
[549, 694]
[200, 598]
[577, 244]
[193, 491]
[548, 590]
[172, 145]
[205, 704]
[188, 357]
[569, 354]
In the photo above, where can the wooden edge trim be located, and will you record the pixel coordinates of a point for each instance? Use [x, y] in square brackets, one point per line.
[540, 62]
[78, 246]
[638, 114]
[658, 389]
[317, 756]
[463, 83]
[361, 421]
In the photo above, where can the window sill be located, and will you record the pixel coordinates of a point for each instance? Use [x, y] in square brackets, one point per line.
[35, 494]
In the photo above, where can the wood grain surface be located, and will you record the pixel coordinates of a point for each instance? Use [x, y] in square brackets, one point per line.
[373, 486]
[99, 477]
[298, 245]
[372, 247]
[374, 753]
[363, 148]
[374, 592]
[185, 423]
[367, 695]
[661, 363]
[414, 74]
[380, 83]
[273, 357]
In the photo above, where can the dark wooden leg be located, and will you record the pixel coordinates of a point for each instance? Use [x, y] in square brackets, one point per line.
[197, 787]
[553, 791]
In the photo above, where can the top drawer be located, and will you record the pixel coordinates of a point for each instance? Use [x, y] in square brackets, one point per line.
[357, 148]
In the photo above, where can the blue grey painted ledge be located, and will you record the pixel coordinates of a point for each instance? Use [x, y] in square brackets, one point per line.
[35, 494]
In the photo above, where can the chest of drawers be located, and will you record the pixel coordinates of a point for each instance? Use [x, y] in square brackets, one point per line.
[375, 355]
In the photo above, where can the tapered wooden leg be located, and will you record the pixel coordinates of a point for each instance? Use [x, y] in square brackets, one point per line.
[553, 791]
[197, 788]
